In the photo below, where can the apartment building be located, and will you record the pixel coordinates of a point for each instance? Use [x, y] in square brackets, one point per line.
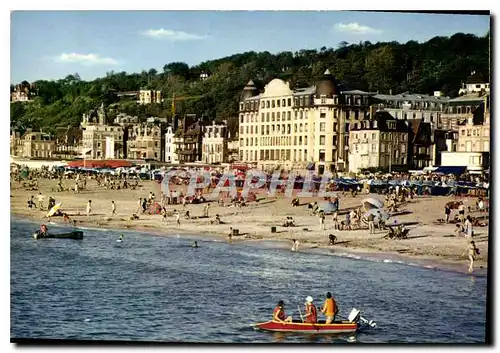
[381, 142]
[215, 148]
[32, 145]
[285, 128]
[147, 96]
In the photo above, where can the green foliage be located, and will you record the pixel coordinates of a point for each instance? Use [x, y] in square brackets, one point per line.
[441, 63]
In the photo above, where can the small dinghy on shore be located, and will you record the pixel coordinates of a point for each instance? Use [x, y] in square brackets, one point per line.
[76, 234]
[354, 323]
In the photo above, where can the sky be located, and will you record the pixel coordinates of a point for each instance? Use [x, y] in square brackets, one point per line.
[53, 44]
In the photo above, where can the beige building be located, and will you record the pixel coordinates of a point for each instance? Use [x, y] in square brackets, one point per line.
[32, 145]
[143, 141]
[149, 97]
[282, 128]
[170, 156]
[474, 134]
[406, 106]
[382, 142]
[99, 140]
[215, 149]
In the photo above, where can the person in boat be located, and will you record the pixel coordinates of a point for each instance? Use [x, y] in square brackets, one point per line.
[279, 313]
[311, 315]
[43, 229]
[330, 308]
[194, 245]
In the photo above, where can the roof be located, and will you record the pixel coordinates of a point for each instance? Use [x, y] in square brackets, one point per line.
[357, 91]
[100, 163]
[451, 170]
[411, 97]
[304, 91]
[474, 98]
[475, 78]
[257, 97]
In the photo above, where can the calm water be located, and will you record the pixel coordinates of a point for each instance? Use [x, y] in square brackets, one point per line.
[154, 288]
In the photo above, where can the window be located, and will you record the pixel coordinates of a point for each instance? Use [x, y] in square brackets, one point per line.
[278, 103]
[289, 115]
[323, 100]
[273, 104]
[334, 140]
[267, 117]
[305, 140]
[289, 102]
[322, 115]
[356, 114]
[267, 104]
[272, 116]
[463, 132]
[468, 132]
[382, 147]
[373, 136]
[322, 140]
[374, 147]
[300, 127]
[486, 132]
[296, 115]
[322, 127]
[283, 102]
[241, 118]
[263, 104]
[278, 115]
[478, 86]
[305, 127]
[301, 115]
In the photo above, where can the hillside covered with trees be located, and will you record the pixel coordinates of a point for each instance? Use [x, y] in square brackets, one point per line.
[441, 63]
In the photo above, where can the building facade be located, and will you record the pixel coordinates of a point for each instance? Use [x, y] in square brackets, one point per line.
[149, 97]
[68, 142]
[169, 145]
[100, 140]
[144, 141]
[406, 106]
[188, 139]
[476, 162]
[475, 83]
[475, 133]
[215, 149]
[380, 143]
[293, 129]
[32, 145]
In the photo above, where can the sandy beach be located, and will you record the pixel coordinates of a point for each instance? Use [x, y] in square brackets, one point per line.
[426, 240]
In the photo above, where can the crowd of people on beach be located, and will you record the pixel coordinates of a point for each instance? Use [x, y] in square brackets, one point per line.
[356, 218]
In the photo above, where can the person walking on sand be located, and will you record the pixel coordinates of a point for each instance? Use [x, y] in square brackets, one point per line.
[89, 207]
[321, 221]
[40, 198]
[205, 210]
[461, 212]
[469, 232]
[113, 208]
[472, 252]
[230, 235]
[447, 212]
[177, 218]
[335, 220]
[139, 205]
[371, 223]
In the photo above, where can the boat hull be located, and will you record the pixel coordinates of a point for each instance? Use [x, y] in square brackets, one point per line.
[77, 234]
[300, 327]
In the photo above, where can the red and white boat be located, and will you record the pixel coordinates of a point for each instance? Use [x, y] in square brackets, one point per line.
[354, 322]
[302, 327]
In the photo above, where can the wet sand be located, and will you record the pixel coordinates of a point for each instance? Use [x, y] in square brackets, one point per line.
[426, 243]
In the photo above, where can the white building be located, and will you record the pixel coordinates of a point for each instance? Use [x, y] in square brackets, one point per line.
[476, 162]
[215, 149]
[97, 136]
[170, 156]
[474, 84]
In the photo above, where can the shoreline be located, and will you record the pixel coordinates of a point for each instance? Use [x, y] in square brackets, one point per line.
[364, 254]
[427, 242]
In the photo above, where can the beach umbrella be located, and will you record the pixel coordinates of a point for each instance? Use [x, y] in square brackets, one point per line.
[372, 203]
[378, 213]
[327, 207]
[54, 209]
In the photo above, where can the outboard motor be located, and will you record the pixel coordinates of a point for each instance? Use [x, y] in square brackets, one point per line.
[355, 316]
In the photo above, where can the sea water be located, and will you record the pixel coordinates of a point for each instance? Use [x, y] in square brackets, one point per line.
[156, 288]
